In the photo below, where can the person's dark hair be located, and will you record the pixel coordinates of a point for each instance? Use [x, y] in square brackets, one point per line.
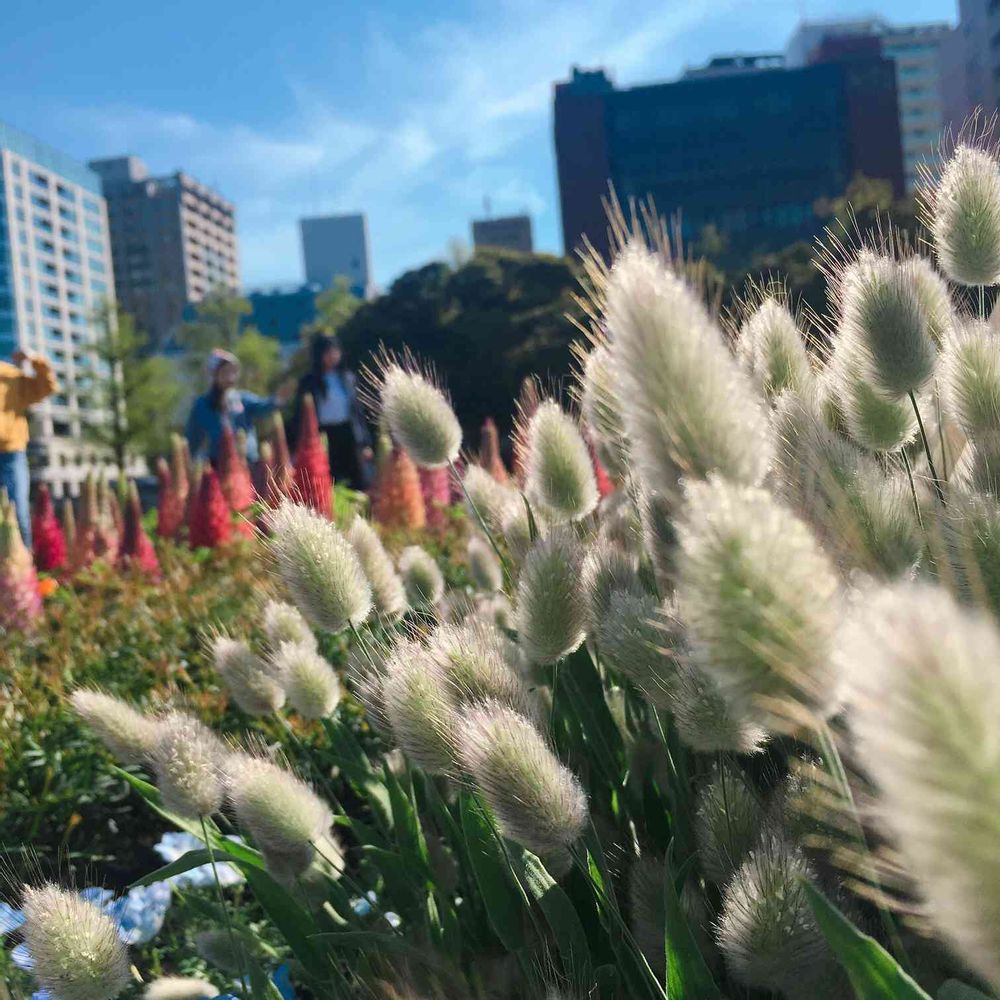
[320, 344]
[216, 394]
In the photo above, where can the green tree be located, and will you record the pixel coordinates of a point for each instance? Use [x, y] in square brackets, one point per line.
[260, 360]
[335, 306]
[134, 395]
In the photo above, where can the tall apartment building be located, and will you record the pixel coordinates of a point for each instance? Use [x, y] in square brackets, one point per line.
[55, 272]
[979, 30]
[748, 147]
[508, 232]
[930, 80]
[173, 240]
[335, 246]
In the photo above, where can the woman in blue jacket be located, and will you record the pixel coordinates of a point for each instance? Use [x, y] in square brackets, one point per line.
[225, 404]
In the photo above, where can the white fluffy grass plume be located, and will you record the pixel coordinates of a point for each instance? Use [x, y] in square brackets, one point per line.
[537, 801]
[688, 408]
[607, 567]
[601, 412]
[559, 476]
[971, 377]
[924, 713]
[366, 666]
[551, 610]
[388, 593]
[772, 349]
[284, 623]
[246, 676]
[758, 599]
[128, 734]
[320, 568]
[727, 822]
[882, 316]
[180, 988]
[421, 577]
[420, 709]
[963, 210]
[484, 567]
[632, 638]
[282, 814]
[310, 683]
[188, 760]
[767, 931]
[932, 293]
[75, 947]
[473, 661]
[420, 417]
[486, 498]
[516, 527]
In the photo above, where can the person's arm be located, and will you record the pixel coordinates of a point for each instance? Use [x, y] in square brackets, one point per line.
[258, 406]
[28, 389]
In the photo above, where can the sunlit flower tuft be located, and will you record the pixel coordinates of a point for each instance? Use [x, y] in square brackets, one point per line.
[75, 947]
[309, 682]
[560, 475]
[601, 411]
[484, 567]
[253, 687]
[551, 609]
[284, 623]
[188, 760]
[320, 568]
[388, 593]
[421, 577]
[727, 822]
[773, 350]
[129, 735]
[971, 379]
[420, 417]
[180, 988]
[537, 801]
[607, 567]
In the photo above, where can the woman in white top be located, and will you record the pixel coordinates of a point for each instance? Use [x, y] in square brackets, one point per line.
[334, 391]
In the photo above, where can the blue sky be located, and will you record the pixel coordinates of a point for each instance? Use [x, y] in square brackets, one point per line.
[410, 112]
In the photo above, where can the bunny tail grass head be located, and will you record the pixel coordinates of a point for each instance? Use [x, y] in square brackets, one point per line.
[925, 700]
[727, 822]
[75, 947]
[688, 408]
[310, 683]
[537, 801]
[705, 721]
[601, 411]
[551, 609]
[933, 295]
[607, 567]
[962, 210]
[420, 709]
[245, 674]
[319, 567]
[281, 812]
[421, 577]
[366, 667]
[418, 413]
[759, 601]
[283, 622]
[388, 593]
[473, 660]
[770, 346]
[180, 988]
[129, 735]
[559, 476]
[188, 761]
[767, 932]
[632, 638]
[971, 377]
[883, 317]
[485, 497]
[484, 567]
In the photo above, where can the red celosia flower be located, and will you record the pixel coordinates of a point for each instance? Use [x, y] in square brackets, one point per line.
[435, 486]
[234, 477]
[49, 542]
[399, 502]
[20, 601]
[604, 482]
[313, 485]
[170, 506]
[137, 550]
[489, 451]
[210, 523]
[181, 472]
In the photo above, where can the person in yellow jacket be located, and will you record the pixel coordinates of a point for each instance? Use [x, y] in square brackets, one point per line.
[18, 391]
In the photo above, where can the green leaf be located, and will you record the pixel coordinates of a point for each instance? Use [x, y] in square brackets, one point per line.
[192, 859]
[952, 989]
[504, 903]
[874, 973]
[687, 974]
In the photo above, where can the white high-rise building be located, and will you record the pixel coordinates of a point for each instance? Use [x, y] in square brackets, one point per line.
[55, 272]
[930, 77]
[336, 246]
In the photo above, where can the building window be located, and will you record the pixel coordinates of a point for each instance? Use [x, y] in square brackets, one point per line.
[52, 312]
[93, 225]
[72, 256]
[96, 266]
[74, 297]
[64, 192]
[43, 224]
[95, 246]
[15, 167]
[67, 213]
[69, 235]
[46, 246]
[39, 202]
[39, 179]
[98, 286]
[74, 277]
[91, 206]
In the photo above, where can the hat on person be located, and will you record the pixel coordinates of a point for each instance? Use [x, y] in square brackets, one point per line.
[218, 358]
